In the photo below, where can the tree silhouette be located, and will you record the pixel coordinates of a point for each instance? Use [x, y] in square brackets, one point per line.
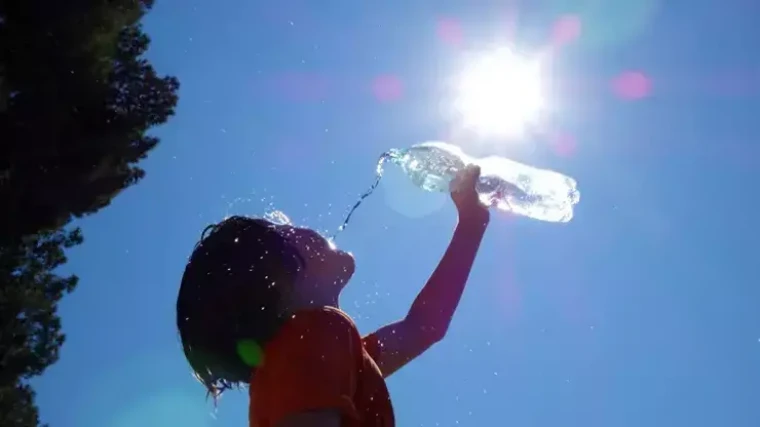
[77, 99]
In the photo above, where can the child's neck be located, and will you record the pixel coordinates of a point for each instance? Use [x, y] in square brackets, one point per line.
[314, 295]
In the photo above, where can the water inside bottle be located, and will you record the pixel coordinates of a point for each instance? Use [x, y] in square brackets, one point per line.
[431, 166]
[524, 190]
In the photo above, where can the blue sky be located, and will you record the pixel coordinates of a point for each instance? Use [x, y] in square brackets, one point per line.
[641, 311]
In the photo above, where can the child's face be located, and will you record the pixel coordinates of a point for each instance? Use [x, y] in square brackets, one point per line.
[324, 263]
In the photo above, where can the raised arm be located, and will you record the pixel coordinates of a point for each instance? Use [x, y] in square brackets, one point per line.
[428, 319]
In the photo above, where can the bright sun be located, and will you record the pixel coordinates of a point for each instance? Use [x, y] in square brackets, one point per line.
[500, 94]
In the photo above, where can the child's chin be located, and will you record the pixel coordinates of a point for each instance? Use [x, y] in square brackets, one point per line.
[344, 269]
[349, 265]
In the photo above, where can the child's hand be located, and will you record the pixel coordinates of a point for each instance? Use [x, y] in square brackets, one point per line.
[466, 198]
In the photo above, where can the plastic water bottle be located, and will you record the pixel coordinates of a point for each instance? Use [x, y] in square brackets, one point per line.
[504, 184]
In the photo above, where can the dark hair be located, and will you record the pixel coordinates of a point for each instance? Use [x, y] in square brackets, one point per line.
[230, 302]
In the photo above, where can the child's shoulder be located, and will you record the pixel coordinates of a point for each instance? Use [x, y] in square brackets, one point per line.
[320, 322]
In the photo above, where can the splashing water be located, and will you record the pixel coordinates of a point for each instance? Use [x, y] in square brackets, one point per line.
[277, 217]
[378, 176]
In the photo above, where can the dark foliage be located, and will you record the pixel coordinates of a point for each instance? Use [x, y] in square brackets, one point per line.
[76, 101]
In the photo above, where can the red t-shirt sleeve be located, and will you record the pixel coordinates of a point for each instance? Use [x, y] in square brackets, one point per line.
[310, 365]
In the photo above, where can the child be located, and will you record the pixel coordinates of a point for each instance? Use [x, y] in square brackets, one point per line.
[258, 305]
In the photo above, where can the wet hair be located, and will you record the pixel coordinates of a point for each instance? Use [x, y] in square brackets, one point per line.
[231, 299]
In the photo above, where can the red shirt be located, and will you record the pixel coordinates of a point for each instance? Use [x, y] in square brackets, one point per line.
[318, 361]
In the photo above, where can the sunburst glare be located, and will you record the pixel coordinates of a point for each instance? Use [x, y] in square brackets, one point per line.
[500, 93]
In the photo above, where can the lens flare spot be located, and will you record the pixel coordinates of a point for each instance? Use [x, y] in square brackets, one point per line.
[405, 198]
[250, 353]
[387, 88]
[566, 30]
[564, 145]
[449, 31]
[632, 85]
